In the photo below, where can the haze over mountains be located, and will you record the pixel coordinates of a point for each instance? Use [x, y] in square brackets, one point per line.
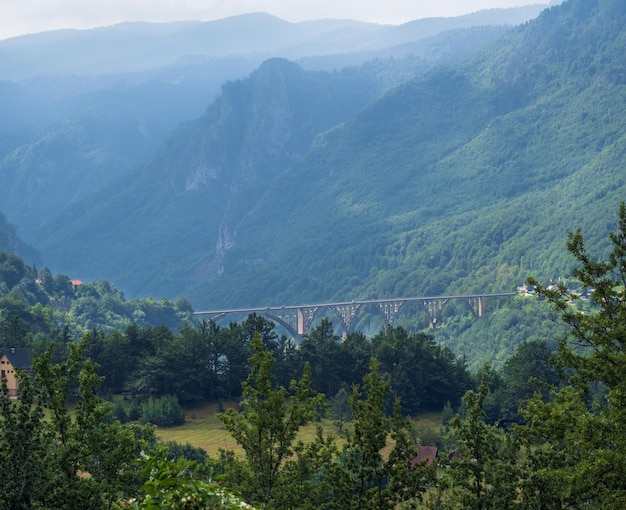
[136, 46]
[454, 161]
[98, 102]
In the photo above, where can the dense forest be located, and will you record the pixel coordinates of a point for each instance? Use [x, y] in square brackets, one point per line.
[36, 301]
[157, 349]
[545, 432]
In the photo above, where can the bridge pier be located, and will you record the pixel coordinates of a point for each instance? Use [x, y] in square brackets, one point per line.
[297, 320]
[477, 305]
[346, 313]
[306, 314]
[389, 310]
[433, 308]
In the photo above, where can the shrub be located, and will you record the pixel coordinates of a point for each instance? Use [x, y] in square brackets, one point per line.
[163, 412]
[119, 412]
[177, 450]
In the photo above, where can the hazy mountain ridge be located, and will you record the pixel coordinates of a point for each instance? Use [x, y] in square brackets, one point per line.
[11, 243]
[137, 46]
[84, 132]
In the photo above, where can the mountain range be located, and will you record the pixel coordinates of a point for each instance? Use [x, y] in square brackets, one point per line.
[451, 162]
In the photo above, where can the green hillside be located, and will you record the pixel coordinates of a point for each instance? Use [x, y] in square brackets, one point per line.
[466, 179]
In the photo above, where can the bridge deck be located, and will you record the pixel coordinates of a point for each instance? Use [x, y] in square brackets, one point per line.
[355, 302]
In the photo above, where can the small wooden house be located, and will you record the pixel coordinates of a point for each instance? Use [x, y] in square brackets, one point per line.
[426, 456]
[10, 361]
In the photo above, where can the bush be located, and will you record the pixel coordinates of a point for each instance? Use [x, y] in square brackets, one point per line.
[177, 450]
[163, 412]
[447, 414]
[134, 411]
[119, 412]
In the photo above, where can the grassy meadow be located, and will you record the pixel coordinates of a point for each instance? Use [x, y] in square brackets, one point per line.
[203, 429]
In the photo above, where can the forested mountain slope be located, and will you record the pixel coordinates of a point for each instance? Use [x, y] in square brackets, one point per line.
[173, 221]
[466, 179]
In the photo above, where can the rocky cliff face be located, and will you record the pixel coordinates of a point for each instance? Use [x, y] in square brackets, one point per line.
[208, 176]
[250, 136]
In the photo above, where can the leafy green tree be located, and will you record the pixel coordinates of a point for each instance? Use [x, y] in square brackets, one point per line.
[12, 332]
[288, 361]
[157, 371]
[306, 473]
[153, 376]
[320, 348]
[176, 450]
[63, 287]
[163, 412]
[447, 413]
[237, 352]
[179, 485]
[354, 356]
[423, 374]
[527, 371]
[12, 269]
[46, 280]
[203, 351]
[257, 324]
[83, 469]
[266, 428]
[339, 409]
[79, 458]
[115, 362]
[21, 444]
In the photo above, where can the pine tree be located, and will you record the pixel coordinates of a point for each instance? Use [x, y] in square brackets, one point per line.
[576, 443]
[364, 475]
[483, 473]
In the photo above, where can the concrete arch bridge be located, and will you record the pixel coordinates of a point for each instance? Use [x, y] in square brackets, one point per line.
[297, 319]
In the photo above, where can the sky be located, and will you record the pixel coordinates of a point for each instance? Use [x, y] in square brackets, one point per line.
[19, 17]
